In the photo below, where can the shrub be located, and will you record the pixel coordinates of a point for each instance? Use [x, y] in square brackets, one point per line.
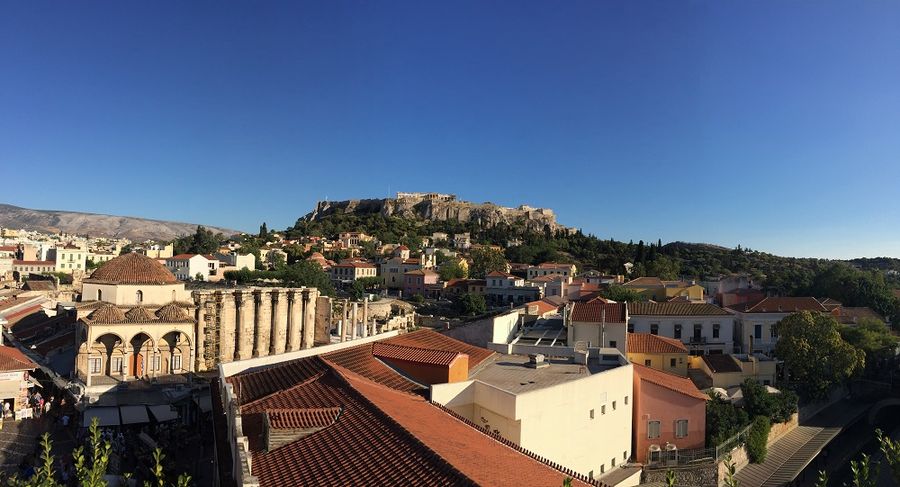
[756, 440]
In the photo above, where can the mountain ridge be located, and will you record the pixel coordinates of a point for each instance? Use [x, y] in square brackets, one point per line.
[97, 224]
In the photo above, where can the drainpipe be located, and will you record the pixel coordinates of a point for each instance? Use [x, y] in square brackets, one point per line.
[602, 328]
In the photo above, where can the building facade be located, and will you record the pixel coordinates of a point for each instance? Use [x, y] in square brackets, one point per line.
[703, 328]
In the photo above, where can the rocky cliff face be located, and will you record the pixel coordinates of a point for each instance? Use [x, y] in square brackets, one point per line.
[483, 214]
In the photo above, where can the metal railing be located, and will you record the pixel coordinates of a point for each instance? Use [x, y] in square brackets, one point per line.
[671, 458]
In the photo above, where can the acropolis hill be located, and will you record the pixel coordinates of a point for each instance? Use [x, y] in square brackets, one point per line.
[440, 207]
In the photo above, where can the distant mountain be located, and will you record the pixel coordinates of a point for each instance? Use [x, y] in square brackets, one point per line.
[135, 229]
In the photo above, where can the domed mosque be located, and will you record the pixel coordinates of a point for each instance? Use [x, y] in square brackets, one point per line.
[134, 321]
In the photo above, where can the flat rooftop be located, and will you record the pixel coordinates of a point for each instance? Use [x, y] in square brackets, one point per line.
[508, 372]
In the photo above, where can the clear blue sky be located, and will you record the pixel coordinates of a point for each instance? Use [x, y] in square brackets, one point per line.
[775, 125]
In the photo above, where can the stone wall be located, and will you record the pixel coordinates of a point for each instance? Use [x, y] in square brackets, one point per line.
[696, 476]
[739, 455]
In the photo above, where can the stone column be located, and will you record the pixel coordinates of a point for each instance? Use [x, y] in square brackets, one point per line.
[365, 318]
[262, 323]
[199, 330]
[239, 324]
[296, 320]
[309, 327]
[248, 320]
[344, 330]
[279, 335]
[354, 321]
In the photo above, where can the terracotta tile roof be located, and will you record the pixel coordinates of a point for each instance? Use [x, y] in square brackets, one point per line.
[8, 248]
[381, 436]
[39, 285]
[649, 343]
[681, 385]
[253, 386]
[420, 272]
[851, 314]
[780, 305]
[11, 360]
[553, 265]
[34, 262]
[721, 363]
[594, 312]
[106, 314]
[644, 282]
[429, 339]
[675, 309]
[139, 314]
[361, 361]
[413, 354]
[543, 307]
[502, 274]
[181, 257]
[303, 418]
[133, 269]
[361, 265]
[172, 313]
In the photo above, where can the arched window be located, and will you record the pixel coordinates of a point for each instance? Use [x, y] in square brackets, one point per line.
[139, 296]
[173, 295]
[99, 295]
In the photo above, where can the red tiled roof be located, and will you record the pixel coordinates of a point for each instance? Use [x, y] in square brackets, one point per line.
[675, 309]
[433, 340]
[502, 274]
[381, 436]
[594, 312]
[553, 265]
[644, 282]
[107, 314]
[172, 313]
[34, 262]
[681, 385]
[181, 257]
[721, 363]
[133, 269]
[11, 360]
[420, 272]
[649, 343]
[780, 305]
[414, 354]
[543, 307]
[8, 248]
[361, 361]
[303, 418]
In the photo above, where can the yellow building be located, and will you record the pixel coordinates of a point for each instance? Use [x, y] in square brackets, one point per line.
[656, 352]
[655, 289]
[732, 370]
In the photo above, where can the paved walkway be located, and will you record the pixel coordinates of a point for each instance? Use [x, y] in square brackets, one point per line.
[788, 456]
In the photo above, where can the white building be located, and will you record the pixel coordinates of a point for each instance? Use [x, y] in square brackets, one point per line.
[755, 325]
[598, 324]
[575, 411]
[238, 261]
[193, 266]
[703, 328]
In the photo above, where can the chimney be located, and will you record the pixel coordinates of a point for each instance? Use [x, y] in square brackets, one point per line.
[536, 361]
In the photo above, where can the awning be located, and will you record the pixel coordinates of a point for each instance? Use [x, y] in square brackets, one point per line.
[134, 414]
[33, 383]
[163, 413]
[107, 416]
[204, 403]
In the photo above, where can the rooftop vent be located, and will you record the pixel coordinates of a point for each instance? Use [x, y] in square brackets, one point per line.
[537, 361]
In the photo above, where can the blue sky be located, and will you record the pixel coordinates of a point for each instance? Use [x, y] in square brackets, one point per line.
[775, 125]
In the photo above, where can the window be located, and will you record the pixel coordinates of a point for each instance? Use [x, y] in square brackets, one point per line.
[155, 363]
[592, 414]
[630, 327]
[614, 461]
[625, 455]
[176, 362]
[626, 400]
[767, 382]
[99, 295]
[672, 362]
[648, 362]
[757, 331]
[654, 329]
[678, 331]
[716, 330]
[139, 296]
[698, 331]
[612, 344]
[117, 364]
[95, 365]
[652, 429]
[614, 405]
[681, 428]
[603, 409]
[773, 331]
[603, 468]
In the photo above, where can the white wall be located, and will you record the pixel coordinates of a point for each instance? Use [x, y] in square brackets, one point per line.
[667, 324]
[126, 294]
[599, 335]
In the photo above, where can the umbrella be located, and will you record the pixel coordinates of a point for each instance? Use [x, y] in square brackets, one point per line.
[718, 392]
[772, 390]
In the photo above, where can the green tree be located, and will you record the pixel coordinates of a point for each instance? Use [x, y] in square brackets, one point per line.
[814, 353]
[485, 261]
[203, 241]
[891, 451]
[452, 270]
[90, 467]
[471, 304]
[622, 294]
[757, 439]
[263, 231]
[872, 337]
[723, 420]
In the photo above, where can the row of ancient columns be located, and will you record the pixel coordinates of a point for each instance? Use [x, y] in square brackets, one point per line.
[354, 324]
[272, 321]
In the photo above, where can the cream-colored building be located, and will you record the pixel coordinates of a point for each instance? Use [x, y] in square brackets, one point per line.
[578, 415]
[70, 259]
[598, 324]
[157, 251]
[732, 370]
[704, 328]
[551, 269]
[100, 257]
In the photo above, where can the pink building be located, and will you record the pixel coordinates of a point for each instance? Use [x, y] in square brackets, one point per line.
[668, 409]
[414, 282]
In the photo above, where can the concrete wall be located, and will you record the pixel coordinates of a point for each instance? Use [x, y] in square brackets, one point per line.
[662, 361]
[599, 335]
[496, 329]
[126, 294]
[655, 403]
